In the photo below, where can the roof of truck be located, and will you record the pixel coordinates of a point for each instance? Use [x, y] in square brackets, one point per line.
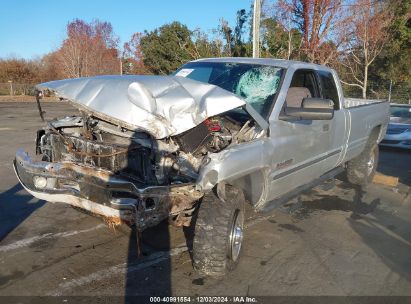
[266, 61]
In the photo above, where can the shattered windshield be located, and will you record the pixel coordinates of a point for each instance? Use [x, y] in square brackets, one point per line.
[257, 84]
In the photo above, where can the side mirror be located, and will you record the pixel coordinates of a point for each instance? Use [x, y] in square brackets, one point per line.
[312, 109]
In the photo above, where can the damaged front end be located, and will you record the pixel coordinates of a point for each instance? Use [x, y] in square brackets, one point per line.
[125, 172]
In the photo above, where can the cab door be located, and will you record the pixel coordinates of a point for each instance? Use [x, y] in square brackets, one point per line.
[337, 134]
[299, 148]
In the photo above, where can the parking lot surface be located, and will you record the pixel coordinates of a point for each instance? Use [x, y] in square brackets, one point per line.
[333, 240]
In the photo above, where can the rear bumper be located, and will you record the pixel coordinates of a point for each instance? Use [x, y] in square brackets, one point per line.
[98, 191]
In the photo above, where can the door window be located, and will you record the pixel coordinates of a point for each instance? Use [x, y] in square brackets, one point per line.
[329, 89]
[303, 85]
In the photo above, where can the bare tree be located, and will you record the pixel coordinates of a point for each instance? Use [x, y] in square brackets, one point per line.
[319, 21]
[133, 55]
[366, 38]
[50, 69]
[89, 49]
[285, 13]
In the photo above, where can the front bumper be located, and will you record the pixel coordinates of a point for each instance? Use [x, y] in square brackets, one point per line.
[100, 192]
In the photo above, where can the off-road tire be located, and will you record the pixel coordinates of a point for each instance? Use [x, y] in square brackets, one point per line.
[361, 169]
[211, 244]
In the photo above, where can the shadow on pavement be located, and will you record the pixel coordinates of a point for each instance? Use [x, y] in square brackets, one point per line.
[15, 208]
[155, 279]
[331, 202]
[389, 236]
[150, 273]
[386, 233]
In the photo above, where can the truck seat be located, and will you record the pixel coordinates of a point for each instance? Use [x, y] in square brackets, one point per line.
[295, 96]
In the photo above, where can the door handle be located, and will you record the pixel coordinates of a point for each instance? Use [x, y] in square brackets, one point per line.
[326, 127]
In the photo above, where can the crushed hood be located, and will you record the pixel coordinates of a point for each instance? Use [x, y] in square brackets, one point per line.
[160, 105]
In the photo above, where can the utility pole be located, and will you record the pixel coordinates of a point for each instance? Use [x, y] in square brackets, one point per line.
[121, 66]
[256, 28]
[389, 92]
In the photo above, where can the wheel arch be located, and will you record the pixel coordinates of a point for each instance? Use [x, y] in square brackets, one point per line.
[376, 134]
[252, 185]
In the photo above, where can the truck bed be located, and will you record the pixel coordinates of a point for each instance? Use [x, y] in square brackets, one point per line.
[358, 102]
[363, 116]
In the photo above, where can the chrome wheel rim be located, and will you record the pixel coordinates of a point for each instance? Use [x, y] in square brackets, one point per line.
[236, 235]
[371, 163]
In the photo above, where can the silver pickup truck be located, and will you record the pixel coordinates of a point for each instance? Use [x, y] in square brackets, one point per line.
[200, 144]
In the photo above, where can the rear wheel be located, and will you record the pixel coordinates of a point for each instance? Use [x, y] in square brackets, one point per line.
[219, 233]
[361, 170]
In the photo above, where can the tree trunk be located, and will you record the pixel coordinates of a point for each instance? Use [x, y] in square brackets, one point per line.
[289, 45]
[306, 22]
[364, 88]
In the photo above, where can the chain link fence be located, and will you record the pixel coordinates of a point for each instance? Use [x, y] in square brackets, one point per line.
[396, 92]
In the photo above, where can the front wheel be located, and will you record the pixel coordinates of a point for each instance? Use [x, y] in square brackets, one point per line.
[218, 234]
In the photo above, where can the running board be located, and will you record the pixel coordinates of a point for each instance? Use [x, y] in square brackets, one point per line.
[276, 203]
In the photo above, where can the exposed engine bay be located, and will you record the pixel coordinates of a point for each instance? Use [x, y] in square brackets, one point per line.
[174, 162]
[94, 142]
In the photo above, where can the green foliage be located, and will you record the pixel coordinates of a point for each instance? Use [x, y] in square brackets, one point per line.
[278, 42]
[239, 48]
[235, 44]
[205, 47]
[166, 48]
[394, 63]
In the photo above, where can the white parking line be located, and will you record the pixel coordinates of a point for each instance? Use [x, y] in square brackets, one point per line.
[121, 269]
[5, 129]
[28, 241]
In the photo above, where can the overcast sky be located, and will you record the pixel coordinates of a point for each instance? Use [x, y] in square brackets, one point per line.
[32, 28]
